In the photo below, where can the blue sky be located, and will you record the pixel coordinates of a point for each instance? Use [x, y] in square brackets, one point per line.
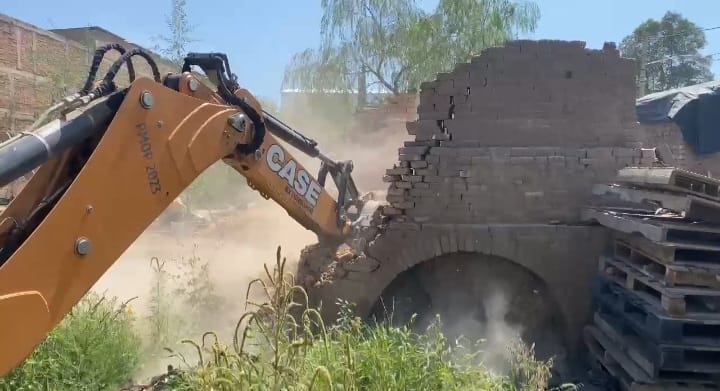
[260, 37]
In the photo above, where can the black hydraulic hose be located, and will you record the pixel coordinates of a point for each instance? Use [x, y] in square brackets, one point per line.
[97, 59]
[115, 67]
[27, 151]
[212, 65]
[255, 117]
[289, 135]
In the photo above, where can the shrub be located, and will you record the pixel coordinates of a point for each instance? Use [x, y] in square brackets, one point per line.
[281, 344]
[284, 345]
[93, 348]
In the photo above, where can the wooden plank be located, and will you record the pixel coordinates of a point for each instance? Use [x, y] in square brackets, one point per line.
[676, 301]
[650, 320]
[690, 206]
[603, 347]
[628, 374]
[689, 274]
[674, 252]
[623, 224]
[654, 229]
[691, 362]
[673, 179]
[628, 343]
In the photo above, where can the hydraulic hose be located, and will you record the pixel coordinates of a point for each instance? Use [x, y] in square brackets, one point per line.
[28, 150]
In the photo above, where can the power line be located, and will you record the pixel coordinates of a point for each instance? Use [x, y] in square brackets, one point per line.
[680, 56]
[679, 34]
[659, 37]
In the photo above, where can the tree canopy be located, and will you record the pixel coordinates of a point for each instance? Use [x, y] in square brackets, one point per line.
[396, 45]
[669, 53]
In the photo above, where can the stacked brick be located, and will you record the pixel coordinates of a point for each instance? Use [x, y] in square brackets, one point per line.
[519, 134]
[656, 324]
[540, 92]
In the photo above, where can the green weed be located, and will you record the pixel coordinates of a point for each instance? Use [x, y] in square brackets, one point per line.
[183, 301]
[283, 344]
[93, 348]
[164, 322]
[278, 344]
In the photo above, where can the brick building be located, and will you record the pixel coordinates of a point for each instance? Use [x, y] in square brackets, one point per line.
[38, 66]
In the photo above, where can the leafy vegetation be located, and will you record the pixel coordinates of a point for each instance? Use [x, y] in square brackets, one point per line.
[394, 44]
[280, 343]
[669, 53]
[94, 347]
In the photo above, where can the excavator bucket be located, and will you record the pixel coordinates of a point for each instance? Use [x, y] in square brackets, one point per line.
[33, 309]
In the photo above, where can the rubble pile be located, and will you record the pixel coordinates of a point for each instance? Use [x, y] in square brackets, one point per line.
[657, 293]
[323, 263]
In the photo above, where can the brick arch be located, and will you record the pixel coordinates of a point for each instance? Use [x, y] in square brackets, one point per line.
[480, 242]
[563, 257]
[464, 286]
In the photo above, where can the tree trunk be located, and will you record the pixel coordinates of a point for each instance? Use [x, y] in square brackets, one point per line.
[362, 88]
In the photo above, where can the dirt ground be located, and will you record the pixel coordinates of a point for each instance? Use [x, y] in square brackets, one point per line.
[236, 252]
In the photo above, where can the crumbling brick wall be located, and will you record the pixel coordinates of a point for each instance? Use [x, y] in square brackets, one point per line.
[37, 66]
[506, 149]
[519, 134]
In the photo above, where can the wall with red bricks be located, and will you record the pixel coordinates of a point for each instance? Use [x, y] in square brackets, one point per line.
[39, 66]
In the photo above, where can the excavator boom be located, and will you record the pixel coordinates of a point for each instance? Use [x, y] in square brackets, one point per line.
[105, 175]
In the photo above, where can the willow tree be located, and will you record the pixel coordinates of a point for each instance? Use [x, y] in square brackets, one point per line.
[396, 45]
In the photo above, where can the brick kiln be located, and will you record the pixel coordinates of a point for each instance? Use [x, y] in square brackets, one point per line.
[487, 195]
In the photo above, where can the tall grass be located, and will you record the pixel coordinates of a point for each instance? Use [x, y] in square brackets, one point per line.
[182, 301]
[93, 348]
[282, 344]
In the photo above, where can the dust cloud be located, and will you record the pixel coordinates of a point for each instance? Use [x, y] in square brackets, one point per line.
[245, 239]
[477, 298]
[239, 247]
[236, 252]
[494, 329]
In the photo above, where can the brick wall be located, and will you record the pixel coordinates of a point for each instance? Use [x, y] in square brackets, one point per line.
[519, 134]
[668, 137]
[38, 66]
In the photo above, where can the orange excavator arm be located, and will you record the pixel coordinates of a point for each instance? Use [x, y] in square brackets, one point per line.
[106, 174]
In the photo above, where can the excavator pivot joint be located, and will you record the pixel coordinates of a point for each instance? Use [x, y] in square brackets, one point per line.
[193, 85]
[238, 122]
[146, 99]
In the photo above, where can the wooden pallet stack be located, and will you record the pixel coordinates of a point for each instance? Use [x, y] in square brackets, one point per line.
[656, 324]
